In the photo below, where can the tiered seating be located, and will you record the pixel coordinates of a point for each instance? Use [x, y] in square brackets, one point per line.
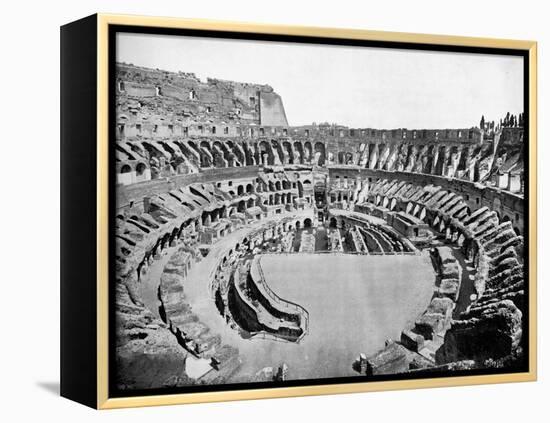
[493, 248]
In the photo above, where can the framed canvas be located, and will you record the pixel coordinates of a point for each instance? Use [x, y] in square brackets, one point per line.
[256, 211]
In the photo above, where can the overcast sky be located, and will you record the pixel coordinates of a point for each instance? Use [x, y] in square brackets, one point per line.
[353, 86]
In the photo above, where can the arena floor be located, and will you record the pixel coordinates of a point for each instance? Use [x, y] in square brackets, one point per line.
[355, 303]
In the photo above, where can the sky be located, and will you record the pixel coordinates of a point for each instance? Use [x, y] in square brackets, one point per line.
[352, 86]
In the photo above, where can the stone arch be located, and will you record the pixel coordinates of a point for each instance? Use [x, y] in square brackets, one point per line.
[320, 153]
[266, 154]
[300, 189]
[173, 236]
[241, 206]
[214, 216]
[427, 159]
[277, 149]
[308, 151]
[463, 161]
[298, 153]
[206, 154]
[287, 148]
[140, 168]
[341, 157]
[205, 218]
[440, 164]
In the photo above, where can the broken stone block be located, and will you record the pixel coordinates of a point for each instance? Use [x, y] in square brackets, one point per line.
[450, 288]
[428, 325]
[411, 340]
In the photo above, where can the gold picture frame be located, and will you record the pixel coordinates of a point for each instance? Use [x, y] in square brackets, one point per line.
[101, 196]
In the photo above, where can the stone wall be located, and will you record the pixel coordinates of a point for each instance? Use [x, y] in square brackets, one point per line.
[183, 97]
[272, 112]
[509, 206]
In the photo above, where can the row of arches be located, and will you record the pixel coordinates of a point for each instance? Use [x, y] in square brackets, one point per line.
[418, 209]
[190, 155]
[267, 233]
[268, 186]
[444, 160]
[139, 168]
[230, 153]
[168, 239]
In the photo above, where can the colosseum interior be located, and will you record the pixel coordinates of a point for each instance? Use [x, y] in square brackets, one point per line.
[248, 250]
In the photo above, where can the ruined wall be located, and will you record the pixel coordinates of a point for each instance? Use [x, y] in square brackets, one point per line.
[136, 192]
[272, 112]
[177, 97]
[491, 327]
[171, 124]
[508, 206]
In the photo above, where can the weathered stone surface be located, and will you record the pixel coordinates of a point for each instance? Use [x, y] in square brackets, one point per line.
[392, 359]
[147, 354]
[197, 160]
[190, 332]
[490, 331]
[411, 340]
[449, 287]
[428, 325]
[442, 306]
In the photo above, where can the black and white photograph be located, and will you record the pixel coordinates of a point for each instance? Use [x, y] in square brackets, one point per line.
[305, 212]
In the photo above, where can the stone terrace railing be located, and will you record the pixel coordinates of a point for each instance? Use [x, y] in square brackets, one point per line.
[263, 285]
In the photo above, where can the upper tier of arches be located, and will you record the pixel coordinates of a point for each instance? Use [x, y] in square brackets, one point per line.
[142, 160]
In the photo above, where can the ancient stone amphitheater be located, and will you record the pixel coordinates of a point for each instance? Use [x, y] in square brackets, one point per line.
[247, 248]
